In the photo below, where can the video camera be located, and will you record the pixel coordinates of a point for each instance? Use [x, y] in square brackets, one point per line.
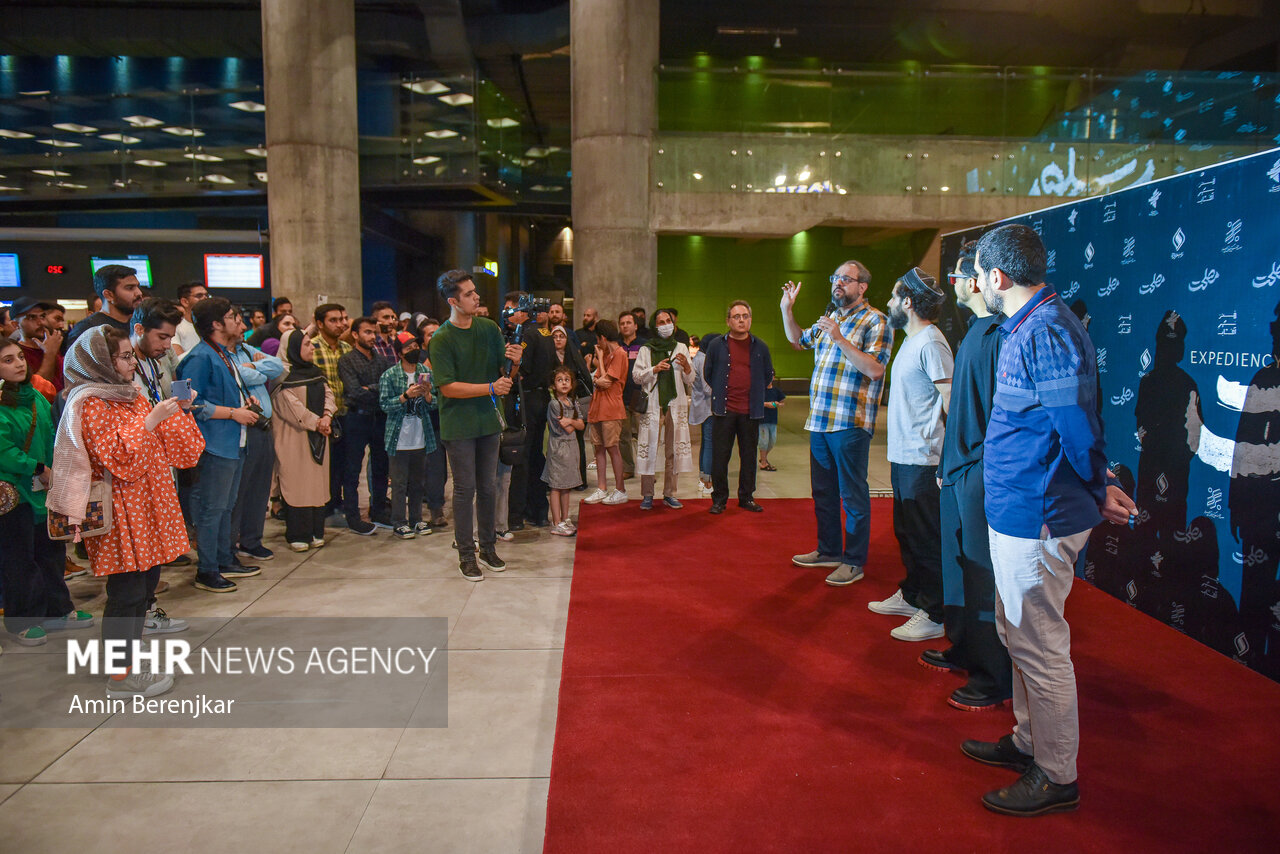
[530, 305]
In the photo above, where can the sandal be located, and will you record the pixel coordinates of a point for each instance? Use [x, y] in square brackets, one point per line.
[768, 467]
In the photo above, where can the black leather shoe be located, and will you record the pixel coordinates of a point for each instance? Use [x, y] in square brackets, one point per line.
[516, 526]
[1033, 794]
[240, 570]
[751, 506]
[936, 659]
[969, 699]
[1002, 753]
[214, 583]
[717, 509]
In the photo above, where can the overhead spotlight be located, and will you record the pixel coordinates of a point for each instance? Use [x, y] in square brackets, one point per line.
[423, 161]
[697, 176]
[457, 99]
[207, 158]
[67, 185]
[143, 121]
[804, 175]
[52, 173]
[426, 87]
[248, 106]
[256, 152]
[59, 143]
[75, 128]
[181, 131]
[217, 179]
[16, 134]
[780, 180]
[152, 163]
[120, 137]
[441, 134]
[503, 122]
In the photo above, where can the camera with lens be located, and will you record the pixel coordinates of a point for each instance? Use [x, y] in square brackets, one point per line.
[263, 422]
[530, 305]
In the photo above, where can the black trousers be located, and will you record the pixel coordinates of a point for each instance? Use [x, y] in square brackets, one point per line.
[724, 429]
[129, 594]
[969, 587]
[250, 513]
[917, 526]
[437, 469]
[31, 567]
[303, 524]
[527, 497]
[365, 430]
[475, 480]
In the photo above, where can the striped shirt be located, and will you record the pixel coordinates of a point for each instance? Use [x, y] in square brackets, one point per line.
[841, 396]
[326, 359]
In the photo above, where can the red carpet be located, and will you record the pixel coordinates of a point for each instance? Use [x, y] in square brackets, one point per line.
[716, 698]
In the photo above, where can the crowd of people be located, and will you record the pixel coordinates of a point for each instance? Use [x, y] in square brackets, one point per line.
[199, 430]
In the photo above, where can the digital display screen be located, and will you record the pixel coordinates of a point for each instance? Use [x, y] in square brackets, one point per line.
[141, 263]
[55, 269]
[233, 271]
[9, 277]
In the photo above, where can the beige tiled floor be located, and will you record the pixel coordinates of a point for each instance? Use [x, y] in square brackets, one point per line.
[478, 786]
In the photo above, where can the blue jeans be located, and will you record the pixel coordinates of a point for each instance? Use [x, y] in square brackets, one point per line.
[704, 449]
[838, 476]
[212, 500]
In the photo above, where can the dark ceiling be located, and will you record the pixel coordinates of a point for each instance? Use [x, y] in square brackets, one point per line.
[522, 45]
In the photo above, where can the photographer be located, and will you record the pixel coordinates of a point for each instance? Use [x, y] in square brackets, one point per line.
[467, 356]
[228, 412]
[528, 494]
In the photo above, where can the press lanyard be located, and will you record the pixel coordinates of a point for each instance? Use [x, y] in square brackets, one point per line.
[234, 373]
[152, 383]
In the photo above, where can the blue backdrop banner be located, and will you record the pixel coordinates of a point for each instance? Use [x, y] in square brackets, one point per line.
[1178, 282]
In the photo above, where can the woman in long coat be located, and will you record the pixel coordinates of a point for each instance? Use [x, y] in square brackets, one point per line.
[303, 408]
[664, 370]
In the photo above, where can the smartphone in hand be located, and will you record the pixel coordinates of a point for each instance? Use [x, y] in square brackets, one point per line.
[180, 389]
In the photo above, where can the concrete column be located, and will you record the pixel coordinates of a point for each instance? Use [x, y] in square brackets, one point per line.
[614, 55]
[313, 188]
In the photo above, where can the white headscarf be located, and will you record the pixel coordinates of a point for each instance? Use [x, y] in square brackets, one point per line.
[90, 371]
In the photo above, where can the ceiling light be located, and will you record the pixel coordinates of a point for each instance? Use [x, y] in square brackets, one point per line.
[503, 122]
[457, 100]
[16, 134]
[149, 162]
[59, 143]
[177, 131]
[697, 176]
[67, 185]
[423, 161]
[75, 128]
[780, 180]
[52, 173]
[217, 179]
[944, 189]
[256, 152]
[143, 121]
[545, 188]
[16, 188]
[261, 176]
[34, 93]
[541, 150]
[441, 134]
[120, 137]
[207, 158]
[426, 87]
[804, 175]
[249, 106]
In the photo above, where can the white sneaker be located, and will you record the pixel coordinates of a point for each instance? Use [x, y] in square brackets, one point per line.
[505, 536]
[596, 497]
[894, 605]
[139, 682]
[918, 628]
[591, 466]
[562, 530]
[317, 542]
[160, 623]
[299, 547]
[617, 496]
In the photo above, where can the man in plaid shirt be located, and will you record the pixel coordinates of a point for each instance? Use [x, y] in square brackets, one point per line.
[330, 323]
[851, 344]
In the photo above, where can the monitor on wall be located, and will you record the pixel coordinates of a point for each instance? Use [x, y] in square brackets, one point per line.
[141, 263]
[9, 277]
[233, 271]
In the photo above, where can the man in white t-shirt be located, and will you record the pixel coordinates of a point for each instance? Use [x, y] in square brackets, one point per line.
[188, 295]
[919, 392]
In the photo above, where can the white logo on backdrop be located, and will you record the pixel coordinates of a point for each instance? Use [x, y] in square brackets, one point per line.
[1037, 226]
[1130, 244]
[1210, 276]
[1071, 291]
[1269, 279]
[1102, 360]
[1205, 191]
[1071, 218]
[1213, 506]
[1227, 323]
[1231, 243]
[1122, 398]
[1144, 361]
[1088, 256]
[1274, 174]
[1179, 240]
[1156, 281]
[1153, 201]
[1110, 288]
[1051, 263]
[1125, 325]
[1109, 212]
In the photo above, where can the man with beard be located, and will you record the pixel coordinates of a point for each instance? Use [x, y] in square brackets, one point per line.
[586, 335]
[919, 393]
[1047, 486]
[851, 344]
[120, 291]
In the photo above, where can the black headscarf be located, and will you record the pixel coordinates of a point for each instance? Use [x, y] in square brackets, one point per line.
[304, 374]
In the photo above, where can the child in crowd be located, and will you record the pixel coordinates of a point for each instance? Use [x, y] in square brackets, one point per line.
[562, 473]
[773, 398]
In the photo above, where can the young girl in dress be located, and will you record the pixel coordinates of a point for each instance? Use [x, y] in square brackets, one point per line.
[562, 474]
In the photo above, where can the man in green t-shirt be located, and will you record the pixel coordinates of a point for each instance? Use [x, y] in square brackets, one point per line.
[467, 355]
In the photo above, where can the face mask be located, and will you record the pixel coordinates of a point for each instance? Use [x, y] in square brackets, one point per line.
[411, 356]
[666, 330]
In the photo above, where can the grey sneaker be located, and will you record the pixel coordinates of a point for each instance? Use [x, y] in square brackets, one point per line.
[815, 559]
[141, 682]
[844, 574]
[895, 605]
[160, 623]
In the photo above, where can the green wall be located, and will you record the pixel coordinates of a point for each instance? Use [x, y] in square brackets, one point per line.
[700, 276]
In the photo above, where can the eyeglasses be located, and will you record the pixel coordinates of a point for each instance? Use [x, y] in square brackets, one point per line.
[740, 317]
[126, 357]
[843, 280]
